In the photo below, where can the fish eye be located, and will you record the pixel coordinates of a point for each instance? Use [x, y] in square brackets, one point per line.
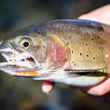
[25, 43]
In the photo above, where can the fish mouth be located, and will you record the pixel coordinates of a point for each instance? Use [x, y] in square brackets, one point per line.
[17, 63]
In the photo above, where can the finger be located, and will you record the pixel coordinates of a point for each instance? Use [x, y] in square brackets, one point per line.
[100, 89]
[47, 86]
[101, 15]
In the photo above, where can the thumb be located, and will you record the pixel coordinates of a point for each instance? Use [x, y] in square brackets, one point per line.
[101, 15]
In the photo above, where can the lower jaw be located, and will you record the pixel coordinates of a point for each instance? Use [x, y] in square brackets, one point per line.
[31, 74]
[18, 71]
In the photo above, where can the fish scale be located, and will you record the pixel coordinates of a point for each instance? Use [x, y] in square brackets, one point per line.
[87, 56]
[85, 45]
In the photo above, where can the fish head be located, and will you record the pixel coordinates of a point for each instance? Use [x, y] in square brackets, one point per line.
[24, 55]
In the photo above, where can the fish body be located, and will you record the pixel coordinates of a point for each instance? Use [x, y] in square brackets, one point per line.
[74, 52]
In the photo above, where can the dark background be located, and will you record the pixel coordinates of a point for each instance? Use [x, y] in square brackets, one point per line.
[25, 94]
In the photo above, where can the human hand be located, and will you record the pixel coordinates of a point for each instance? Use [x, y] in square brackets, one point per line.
[101, 15]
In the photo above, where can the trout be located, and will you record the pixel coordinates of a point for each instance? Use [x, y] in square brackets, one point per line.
[73, 52]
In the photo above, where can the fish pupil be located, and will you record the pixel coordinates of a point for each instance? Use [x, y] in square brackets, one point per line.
[26, 44]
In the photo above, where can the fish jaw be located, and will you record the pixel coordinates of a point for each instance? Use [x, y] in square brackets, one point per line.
[18, 71]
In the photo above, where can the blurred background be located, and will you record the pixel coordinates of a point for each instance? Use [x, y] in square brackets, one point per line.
[26, 94]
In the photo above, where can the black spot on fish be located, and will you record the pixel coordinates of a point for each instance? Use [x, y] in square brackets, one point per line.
[98, 37]
[80, 54]
[86, 44]
[93, 58]
[67, 43]
[92, 39]
[87, 55]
